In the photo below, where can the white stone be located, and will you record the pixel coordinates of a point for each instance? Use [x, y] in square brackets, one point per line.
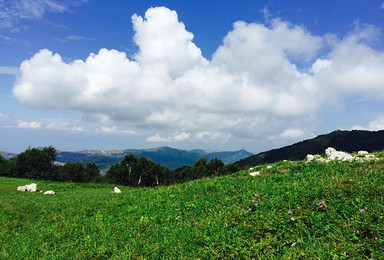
[31, 187]
[310, 157]
[117, 190]
[49, 192]
[329, 151]
[337, 155]
[21, 188]
[370, 156]
[269, 166]
[362, 153]
[254, 173]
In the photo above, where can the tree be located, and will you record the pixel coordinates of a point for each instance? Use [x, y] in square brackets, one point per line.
[3, 166]
[133, 171]
[215, 167]
[34, 164]
[78, 172]
[92, 172]
[200, 168]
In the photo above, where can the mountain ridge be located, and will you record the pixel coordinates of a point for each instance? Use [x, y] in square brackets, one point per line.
[344, 140]
[170, 157]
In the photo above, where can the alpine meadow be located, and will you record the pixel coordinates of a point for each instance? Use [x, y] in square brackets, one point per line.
[193, 129]
[290, 210]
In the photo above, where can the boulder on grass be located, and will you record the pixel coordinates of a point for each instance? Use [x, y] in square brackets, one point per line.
[116, 190]
[49, 192]
[21, 188]
[31, 187]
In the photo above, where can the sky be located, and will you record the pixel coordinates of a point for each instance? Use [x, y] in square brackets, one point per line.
[215, 75]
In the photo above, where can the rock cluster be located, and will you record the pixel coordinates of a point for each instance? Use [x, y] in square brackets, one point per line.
[29, 187]
[332, 155]
[33, 188]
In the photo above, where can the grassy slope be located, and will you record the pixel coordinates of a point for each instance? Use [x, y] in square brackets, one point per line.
[204, 218]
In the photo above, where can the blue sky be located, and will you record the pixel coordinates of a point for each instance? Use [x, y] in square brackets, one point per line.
[216, 75]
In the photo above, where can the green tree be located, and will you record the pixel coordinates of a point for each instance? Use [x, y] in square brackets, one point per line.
[92, 172]
[133, 171]
[34, 164]
[79, 172]
[200, 168]
[231, 168]
[215, 167]
[3, 166]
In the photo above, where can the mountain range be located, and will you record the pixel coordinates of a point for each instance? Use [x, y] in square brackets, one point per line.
[167, 156]
[348, 141]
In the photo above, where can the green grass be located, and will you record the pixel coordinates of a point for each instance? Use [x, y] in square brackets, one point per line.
[204, 218]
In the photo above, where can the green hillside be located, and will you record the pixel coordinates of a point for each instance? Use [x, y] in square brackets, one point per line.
[348, 141]
[292, 210]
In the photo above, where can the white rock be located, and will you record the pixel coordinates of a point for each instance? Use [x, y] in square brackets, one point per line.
[117, 190]
[362, 153]
[370, 156]
[329, 151]
[49, 192]
[337, 155]
[254, 173]
[21, 188]
[31, 187]
[310, 157]
[269, 166]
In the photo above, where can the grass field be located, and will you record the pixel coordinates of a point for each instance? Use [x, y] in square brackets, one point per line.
[294, 210]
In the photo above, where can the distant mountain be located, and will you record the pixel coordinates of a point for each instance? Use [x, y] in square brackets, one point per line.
[347, 141]
[7, 155]
[170, 157]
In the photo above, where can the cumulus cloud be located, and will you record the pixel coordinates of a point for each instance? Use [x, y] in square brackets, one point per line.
[261, 76]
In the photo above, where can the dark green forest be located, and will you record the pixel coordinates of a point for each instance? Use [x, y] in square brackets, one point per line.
[40, 164]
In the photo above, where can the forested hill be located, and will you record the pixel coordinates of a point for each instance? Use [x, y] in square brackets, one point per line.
[348, 141]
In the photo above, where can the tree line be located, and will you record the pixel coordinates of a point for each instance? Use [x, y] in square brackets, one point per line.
[39, 164]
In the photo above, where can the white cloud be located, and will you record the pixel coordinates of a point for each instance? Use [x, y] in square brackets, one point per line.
[31, 124]
[11, 11]
[182, 137]
[63, 125]
[116, 130]
[382, 6]
[261, 76]
[9, 70]
[109, 130]
[212, 136]
[375, 125]
[179, 137]
[292, 133]
[157, 139]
